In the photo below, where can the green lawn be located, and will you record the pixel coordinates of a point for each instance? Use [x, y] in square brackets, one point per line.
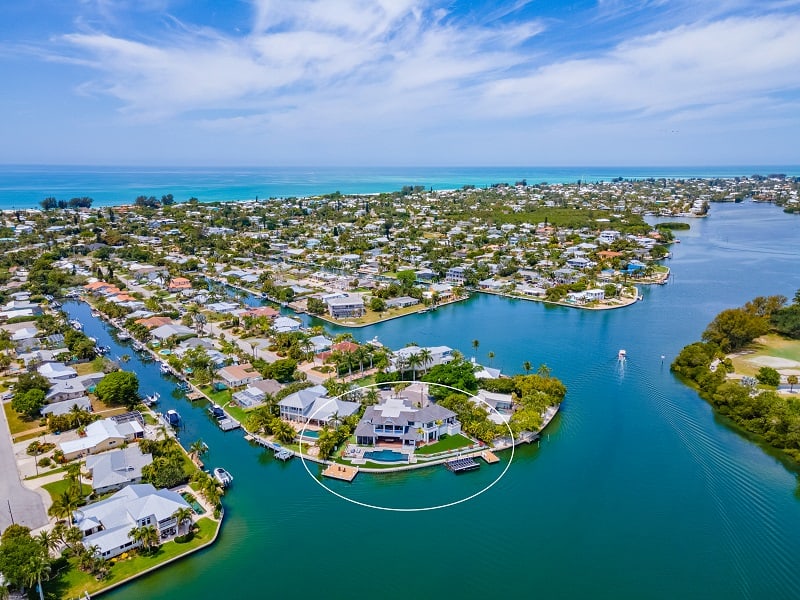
[452, 442]
[73, 582]
[59, 487]
[16, 423]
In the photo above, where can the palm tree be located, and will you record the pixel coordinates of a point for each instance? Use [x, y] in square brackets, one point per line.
[491, 358]
[414, 361]
[372, 396]
[183, 515]
[199, 447]
[791, 380]
[475, 344]
[425, 357]
[38, 566]
[527, 366]
[64, 504]
[49, 540]
[543, 371]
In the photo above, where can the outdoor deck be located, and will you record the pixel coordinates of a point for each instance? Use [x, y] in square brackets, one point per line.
[337, 471]
[490, 457]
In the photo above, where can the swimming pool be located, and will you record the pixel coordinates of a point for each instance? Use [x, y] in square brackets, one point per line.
[385, 455]
[310, 433]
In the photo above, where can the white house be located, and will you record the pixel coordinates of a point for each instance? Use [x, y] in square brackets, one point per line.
[103, 435]
[115, 469]
[107, 524]
[439, 355]
[313, 406]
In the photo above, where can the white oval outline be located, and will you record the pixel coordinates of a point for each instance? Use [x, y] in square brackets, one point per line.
[388, 508]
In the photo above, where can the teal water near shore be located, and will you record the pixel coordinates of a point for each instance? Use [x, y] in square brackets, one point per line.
[26, 186]
[637, 489]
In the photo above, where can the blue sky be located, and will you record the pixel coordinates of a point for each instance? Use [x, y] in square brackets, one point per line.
[400, 82]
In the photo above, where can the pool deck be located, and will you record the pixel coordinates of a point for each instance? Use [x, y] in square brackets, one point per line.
[343, 472]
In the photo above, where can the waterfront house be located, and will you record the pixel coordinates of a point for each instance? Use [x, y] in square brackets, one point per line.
[107, 524]
[456, 275]
[115, 469]
[347, 306]
[439, 355]
[167, 331]
[285, 325]
[255, 393]
[312, 406]
[236, 376]
[397, 421]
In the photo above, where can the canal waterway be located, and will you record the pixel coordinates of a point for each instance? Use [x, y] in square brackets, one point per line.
[636, 491]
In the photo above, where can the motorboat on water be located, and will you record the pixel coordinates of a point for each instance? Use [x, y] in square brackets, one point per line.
[76, 325]
[151, 399]
[224, 478]
[622, 355]
[172, 417]
[123, 336]
[165, 368]
[216, 411]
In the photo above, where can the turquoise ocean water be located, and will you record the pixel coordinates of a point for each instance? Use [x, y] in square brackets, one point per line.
[26, 186]
[637, 491]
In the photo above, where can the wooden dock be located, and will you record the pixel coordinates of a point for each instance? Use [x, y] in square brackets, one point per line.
[194, 396]
[490, 457]
[461, 465]
[343, 472]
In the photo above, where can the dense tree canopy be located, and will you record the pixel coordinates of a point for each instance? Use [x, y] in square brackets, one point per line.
[119, 388]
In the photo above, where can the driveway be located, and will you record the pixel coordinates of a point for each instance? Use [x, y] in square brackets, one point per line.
[26, 506]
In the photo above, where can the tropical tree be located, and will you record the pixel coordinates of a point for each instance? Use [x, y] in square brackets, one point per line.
[283, 432]
[37, 567]
[413, 361]
[425, 357]
[475, 344]
[491, 358]
[183, 515]
[49, 540]
[199, 447]
[527, 366]
[64, 504]
[792, 381]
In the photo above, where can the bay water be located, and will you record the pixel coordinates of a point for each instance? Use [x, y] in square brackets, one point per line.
[637, 489]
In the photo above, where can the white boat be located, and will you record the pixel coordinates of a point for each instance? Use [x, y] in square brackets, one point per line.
[123, 335]
[173, 418]
[151, 399]
[622, 355]
[94, 313]
[76, 325]
[224, 478]
[165, 368]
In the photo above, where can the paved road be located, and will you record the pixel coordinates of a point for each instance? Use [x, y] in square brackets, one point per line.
[27, 506]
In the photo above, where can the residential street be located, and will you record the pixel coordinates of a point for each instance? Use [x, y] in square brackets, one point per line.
[27, 506]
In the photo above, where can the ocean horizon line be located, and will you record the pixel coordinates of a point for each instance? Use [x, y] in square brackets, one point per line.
[25, 186]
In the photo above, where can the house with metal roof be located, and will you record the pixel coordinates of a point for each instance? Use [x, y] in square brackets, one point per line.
[313, 406]
[115, 469]
[397, 420]
[107, 524]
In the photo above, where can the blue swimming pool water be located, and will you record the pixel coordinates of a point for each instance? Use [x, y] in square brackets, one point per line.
[310, 433]
[385, 455]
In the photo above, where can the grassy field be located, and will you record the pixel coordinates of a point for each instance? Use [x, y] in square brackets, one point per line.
[73, 582]
[452, 442]
[59, 487]
[16, 423]
[766, 346]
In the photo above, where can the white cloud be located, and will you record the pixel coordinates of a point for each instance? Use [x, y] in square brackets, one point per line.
[669, 71]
